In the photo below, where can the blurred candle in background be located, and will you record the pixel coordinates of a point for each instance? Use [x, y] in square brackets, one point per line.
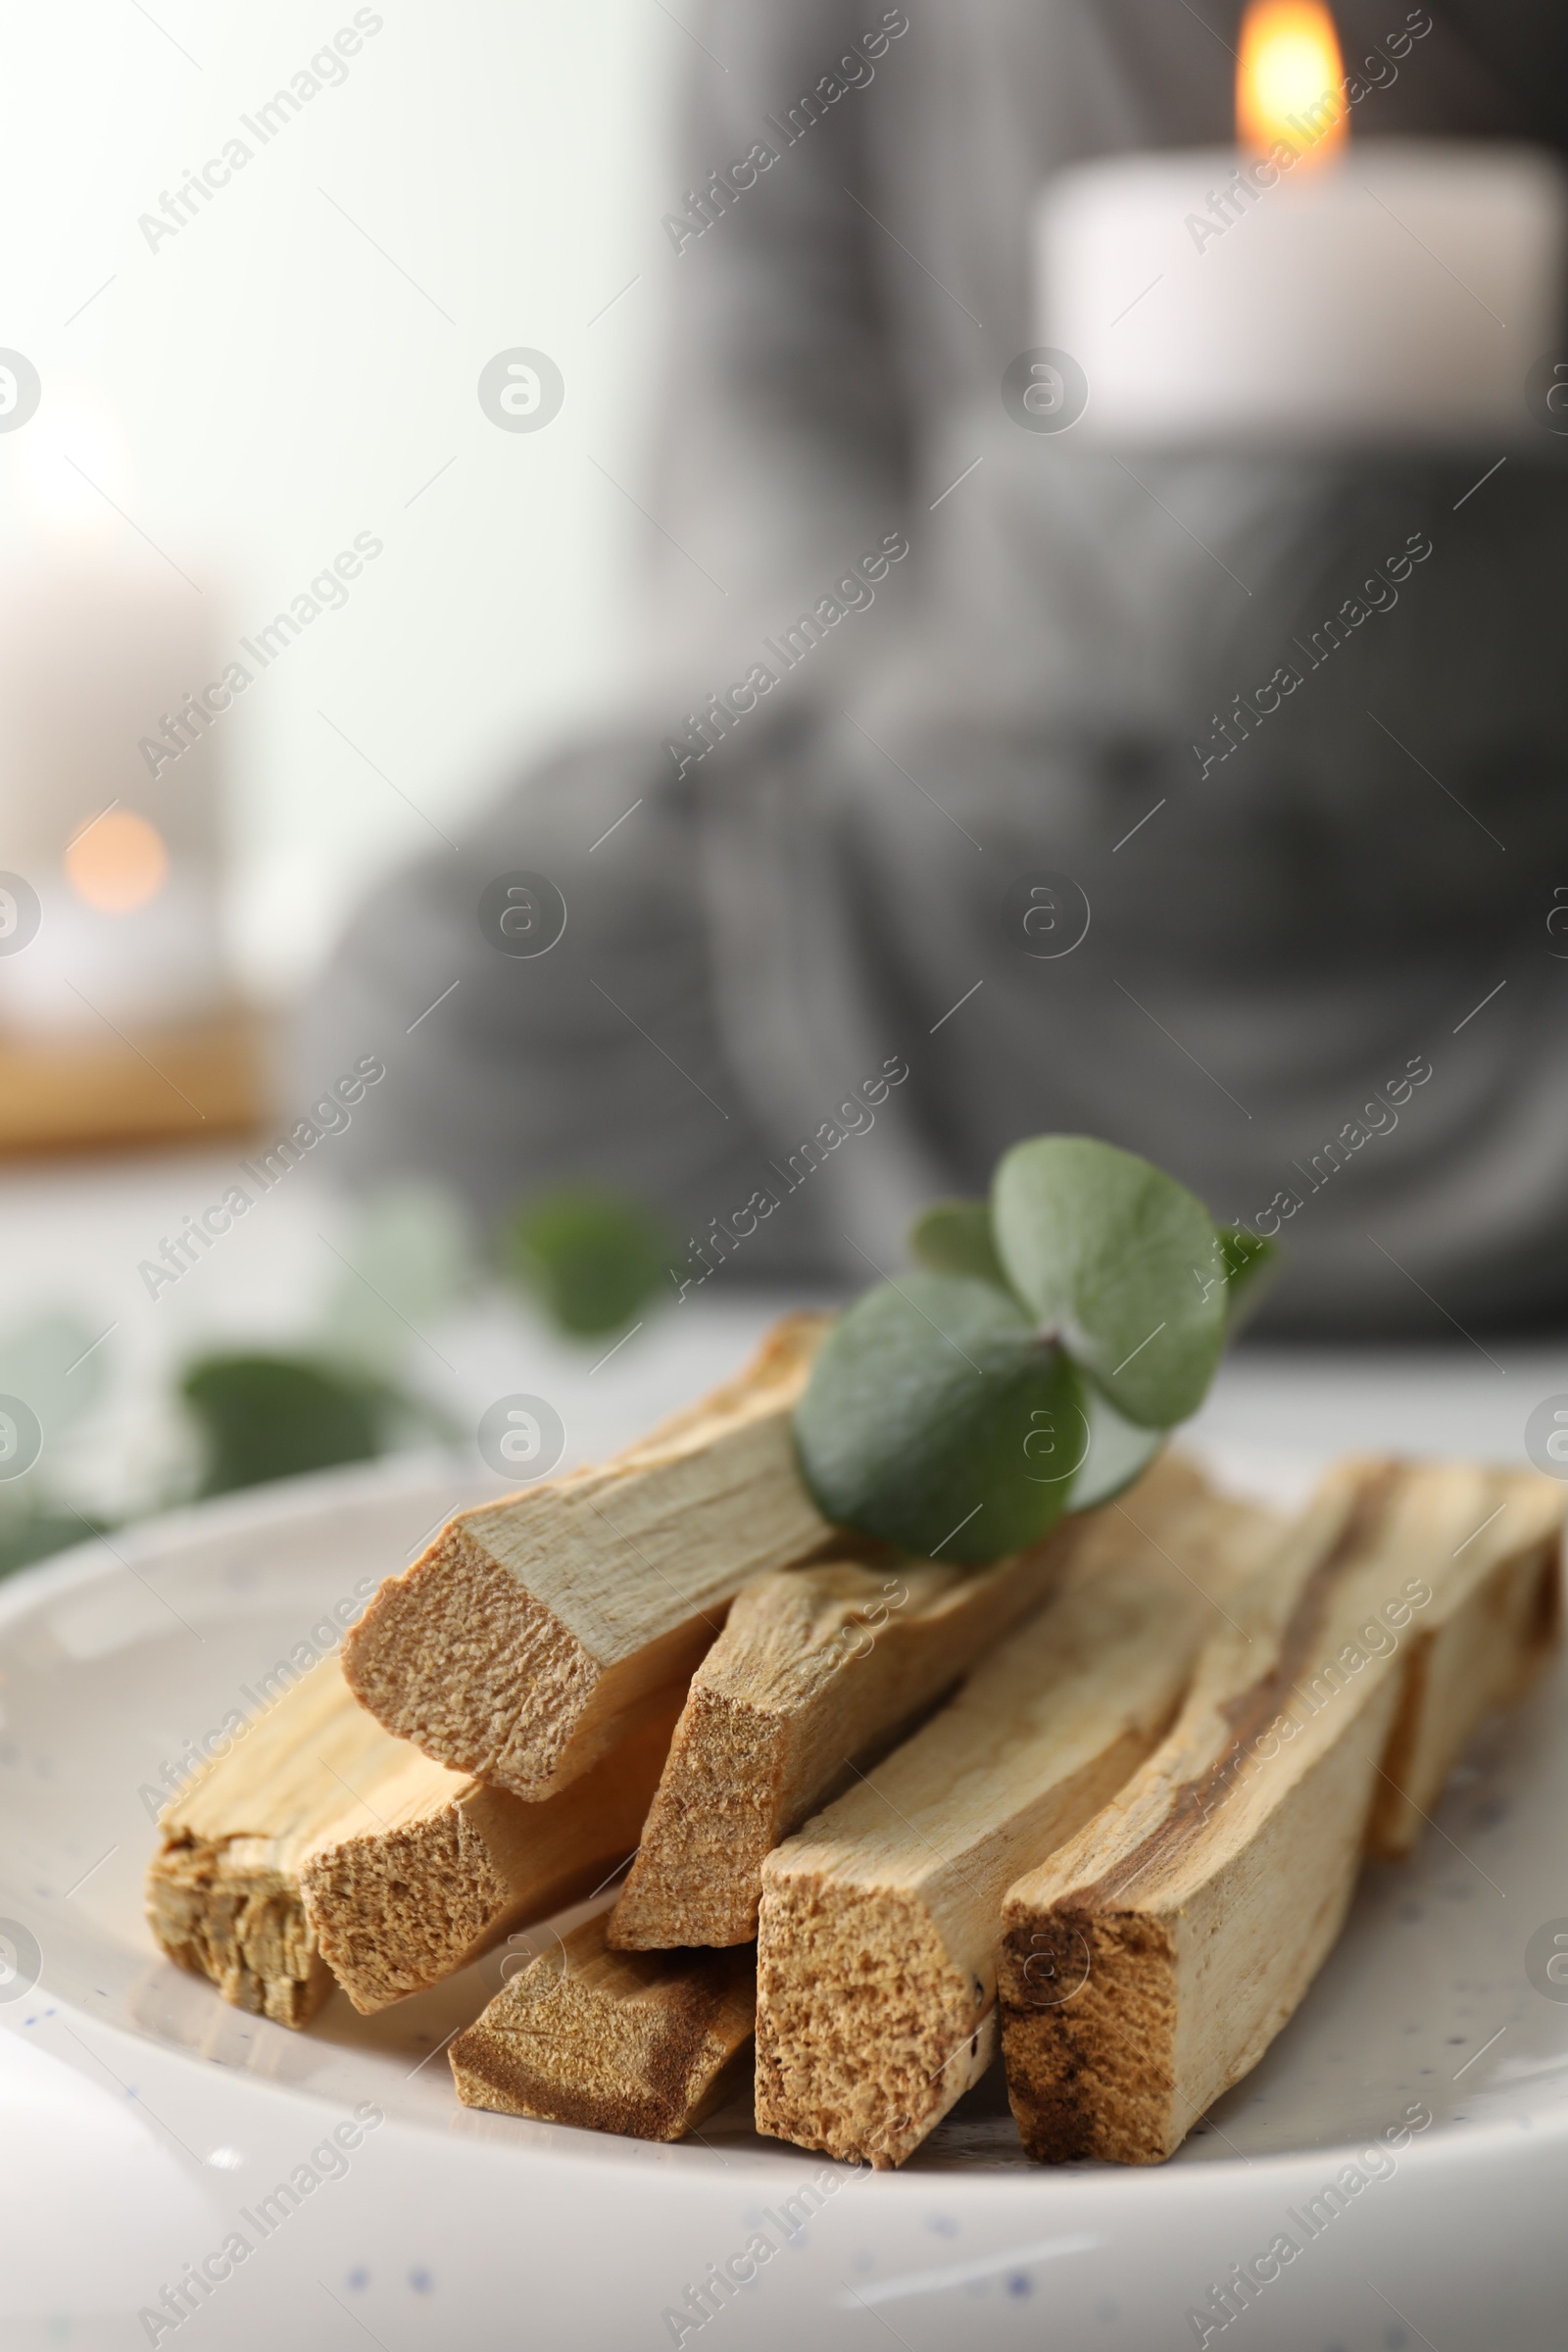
[1312, 285]
[118, 1017]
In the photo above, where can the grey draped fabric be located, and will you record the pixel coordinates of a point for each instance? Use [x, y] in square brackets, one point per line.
[1275, 995]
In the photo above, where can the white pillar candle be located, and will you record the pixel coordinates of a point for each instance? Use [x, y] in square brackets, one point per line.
[98, 651]
[1398, 294]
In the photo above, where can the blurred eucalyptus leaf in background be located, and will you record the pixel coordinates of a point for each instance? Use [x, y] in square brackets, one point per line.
[264, 1413]
[348, 1384]
[264, 1416]
[56, 1365]
[590, 1257]
[54, 1362]
[409, 1260]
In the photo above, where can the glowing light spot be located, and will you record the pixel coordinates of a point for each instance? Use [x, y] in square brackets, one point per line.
[117, 862]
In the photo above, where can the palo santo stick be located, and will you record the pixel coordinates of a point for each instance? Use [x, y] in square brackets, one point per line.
[538, 1630]
[1147, 1965]
[644, 2043]
[319, 1846]
[876, 1968]
[816, 1674]
[1482, 1655]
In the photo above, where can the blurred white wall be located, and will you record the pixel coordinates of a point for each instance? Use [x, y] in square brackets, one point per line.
[265, 384]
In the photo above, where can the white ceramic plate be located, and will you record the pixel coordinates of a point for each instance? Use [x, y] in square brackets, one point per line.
[145, 2119]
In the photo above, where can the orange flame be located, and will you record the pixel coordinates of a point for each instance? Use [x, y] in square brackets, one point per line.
[1289, 80]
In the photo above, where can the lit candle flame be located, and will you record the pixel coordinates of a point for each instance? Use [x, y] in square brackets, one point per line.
[1289, 80]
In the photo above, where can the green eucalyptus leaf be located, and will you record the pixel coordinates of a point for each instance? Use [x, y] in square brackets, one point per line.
[1249, 1264]
[954, 1237]
[1116, 1452]
[592, 1257]
[934, 1418]
[1101, 1246]
[33, 1531]
[273, 1416]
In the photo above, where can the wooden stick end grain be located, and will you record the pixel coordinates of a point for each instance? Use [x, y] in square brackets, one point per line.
[1089, 2002]
[641, 2044]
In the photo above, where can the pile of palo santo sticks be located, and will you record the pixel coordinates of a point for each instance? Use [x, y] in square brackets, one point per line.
[1103, 1802]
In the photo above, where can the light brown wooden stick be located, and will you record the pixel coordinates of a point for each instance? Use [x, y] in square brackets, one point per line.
[640, 2042]
[1148, 1964]
[537, 1630]
[817, 1669]
[319, 1846]
[876, 1956]
[1501, 1628]
[817, 1672]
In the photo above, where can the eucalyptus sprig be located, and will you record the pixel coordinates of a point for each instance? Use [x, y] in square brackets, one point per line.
[1035, 1361]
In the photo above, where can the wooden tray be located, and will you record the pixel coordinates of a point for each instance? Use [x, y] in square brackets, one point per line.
[79, 1093]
